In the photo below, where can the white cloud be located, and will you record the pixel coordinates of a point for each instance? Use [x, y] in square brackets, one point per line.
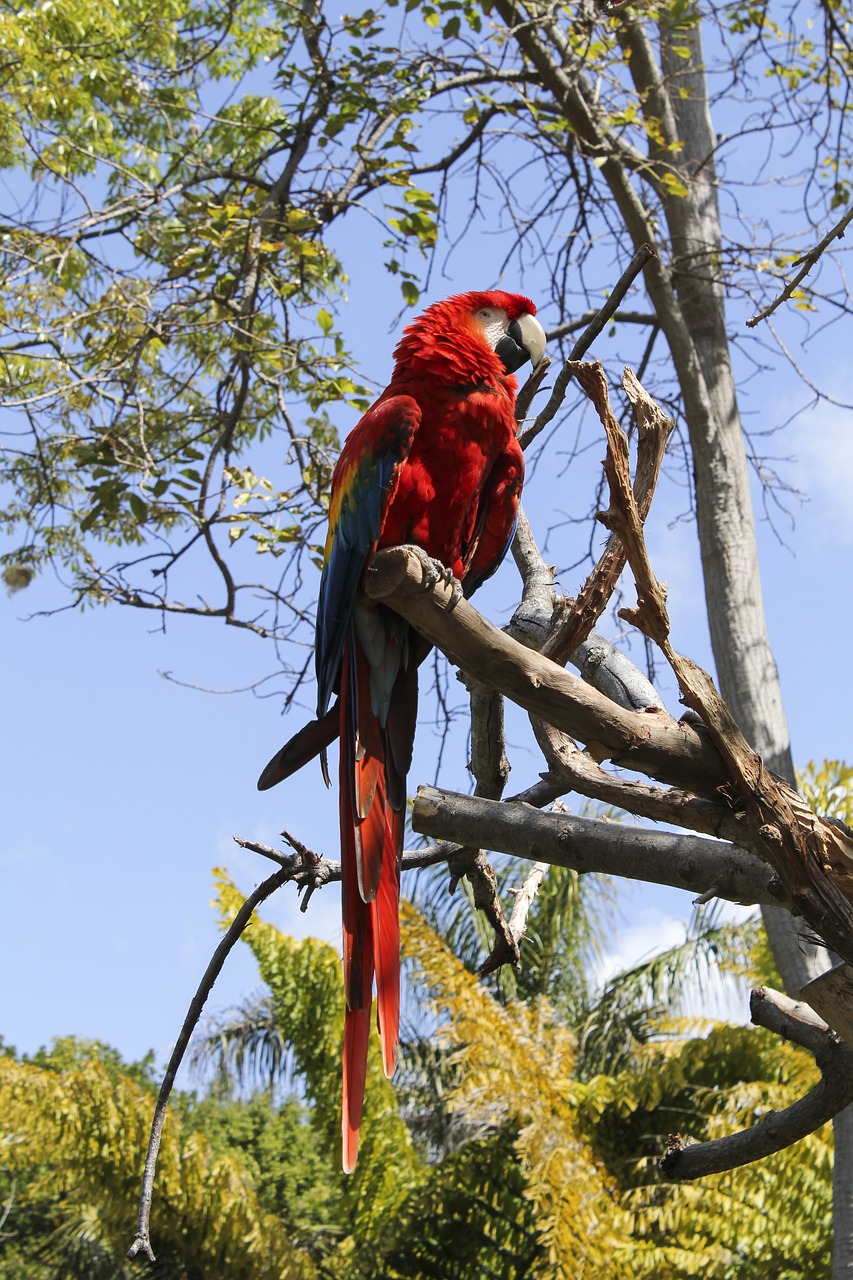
[822, 442]
[653, 930]
[650, 932]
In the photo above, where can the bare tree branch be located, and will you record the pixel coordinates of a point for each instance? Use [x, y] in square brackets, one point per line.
[779, 1129]
[651, 741]
[807, 261]
[644, 255]
[813, 859]
[575, 770]
[141, 1241]
[684, 861]
[653, 432]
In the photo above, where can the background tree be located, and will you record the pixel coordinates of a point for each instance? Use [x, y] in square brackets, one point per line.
[74, 1129]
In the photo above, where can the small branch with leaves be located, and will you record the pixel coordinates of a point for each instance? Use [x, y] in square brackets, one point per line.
[805, 263]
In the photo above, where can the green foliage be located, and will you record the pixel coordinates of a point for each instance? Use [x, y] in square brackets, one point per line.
[704, 1089]
[165, 302]
[277, 1147]
[516, 1068]
[306, 990]
[828, 789]
[168, 336]
[638, 1005]
[470, 1217]
[76, 1139]
[68, 1053]
[399, 1215]
[613, 1128]
[531, 1170]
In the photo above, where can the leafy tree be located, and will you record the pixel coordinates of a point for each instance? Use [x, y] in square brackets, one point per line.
[74, 1133]
[553, 1171]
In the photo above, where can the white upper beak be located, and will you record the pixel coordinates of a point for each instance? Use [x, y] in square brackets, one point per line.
[532, 338]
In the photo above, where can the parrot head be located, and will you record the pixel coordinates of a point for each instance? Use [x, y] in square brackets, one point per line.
[472, 335]
[509, 325]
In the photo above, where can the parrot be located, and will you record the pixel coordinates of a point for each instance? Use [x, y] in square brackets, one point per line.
[434, 465]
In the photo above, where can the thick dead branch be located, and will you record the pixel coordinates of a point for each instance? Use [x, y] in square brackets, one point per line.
[577, 771]
[653, 431]
[542, 612]
[779, 1129]
[652, 742]
[524, 899]
[613, 673]
[831, 996]
[686, 862]
[812, 857]
[490, 767]
[533, 619]
[488, 763]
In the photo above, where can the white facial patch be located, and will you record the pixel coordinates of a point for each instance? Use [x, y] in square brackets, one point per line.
[494, 322]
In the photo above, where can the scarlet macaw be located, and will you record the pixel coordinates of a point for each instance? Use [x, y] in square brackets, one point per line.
[435, 463]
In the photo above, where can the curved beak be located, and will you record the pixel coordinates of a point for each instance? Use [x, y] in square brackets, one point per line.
[523, 341]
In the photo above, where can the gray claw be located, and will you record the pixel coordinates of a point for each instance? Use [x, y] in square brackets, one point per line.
[435, 572]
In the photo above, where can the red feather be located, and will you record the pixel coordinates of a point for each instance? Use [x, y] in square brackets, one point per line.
[436, 463]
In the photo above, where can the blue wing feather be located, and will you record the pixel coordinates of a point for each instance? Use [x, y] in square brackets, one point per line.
[364, 480]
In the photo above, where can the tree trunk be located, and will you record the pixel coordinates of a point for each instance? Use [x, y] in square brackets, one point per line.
[746, 670]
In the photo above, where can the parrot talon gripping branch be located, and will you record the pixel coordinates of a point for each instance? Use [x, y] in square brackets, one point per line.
[435, 464]
[435, 572]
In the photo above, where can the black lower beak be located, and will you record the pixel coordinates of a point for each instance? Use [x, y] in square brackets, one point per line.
[511, 350]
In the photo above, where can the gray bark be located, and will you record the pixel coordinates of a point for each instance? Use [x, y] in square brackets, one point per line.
[746, 670]
[695, 863]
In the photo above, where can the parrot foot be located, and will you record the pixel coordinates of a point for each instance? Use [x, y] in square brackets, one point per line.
[435, 572]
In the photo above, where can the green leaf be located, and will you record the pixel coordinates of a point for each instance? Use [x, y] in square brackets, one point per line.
[674, 185]
[138, 507]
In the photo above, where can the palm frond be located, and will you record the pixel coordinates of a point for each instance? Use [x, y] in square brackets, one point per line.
[244, 1046]
[631, 1009]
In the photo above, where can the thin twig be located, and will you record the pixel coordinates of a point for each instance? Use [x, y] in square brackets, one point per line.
[524, 899]
[141, 1241]
[644, 254]
[808, 261]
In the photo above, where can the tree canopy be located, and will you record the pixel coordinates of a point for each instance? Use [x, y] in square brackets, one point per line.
[188, 182]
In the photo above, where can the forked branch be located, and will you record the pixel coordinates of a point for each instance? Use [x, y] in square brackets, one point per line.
[779, 1129]
[812, 857]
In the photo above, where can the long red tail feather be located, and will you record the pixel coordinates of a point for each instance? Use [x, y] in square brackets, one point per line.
[371, 846]
[385, 910]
